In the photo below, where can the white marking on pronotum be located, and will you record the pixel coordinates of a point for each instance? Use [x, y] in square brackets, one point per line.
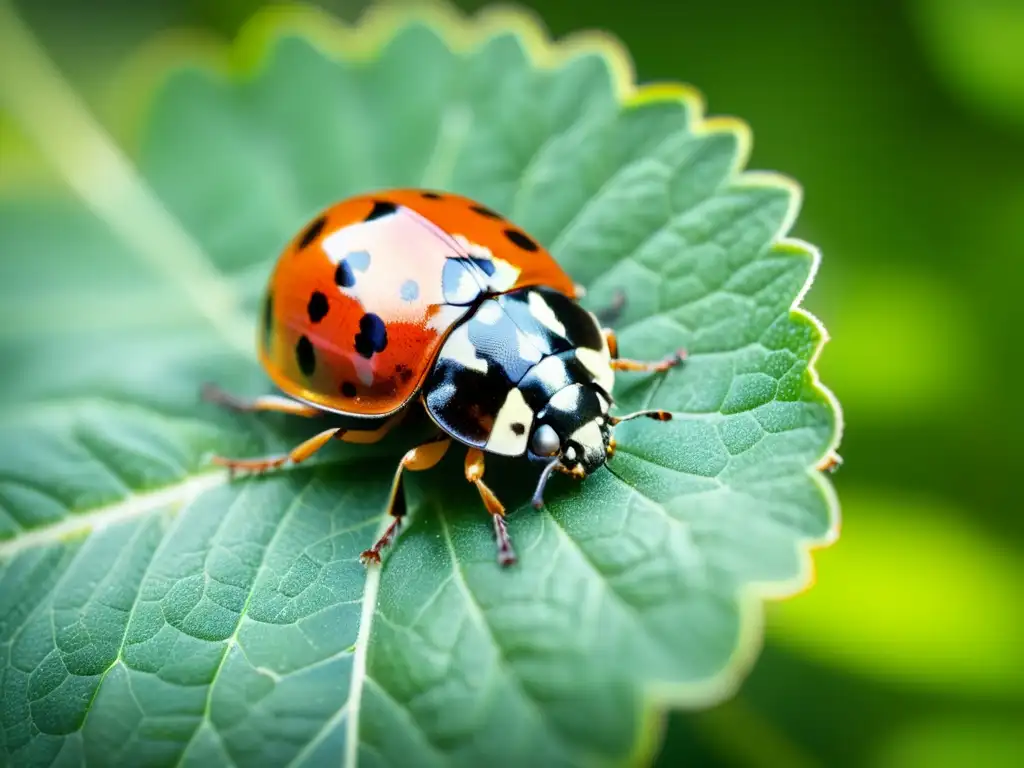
[599, 365]
[504, 277]
[466, 289]
[567, 399]
[489, 313]
[528, 351]
[551, 373]
[505, 274]
[503, 439]
[460, 349]
[544, 314]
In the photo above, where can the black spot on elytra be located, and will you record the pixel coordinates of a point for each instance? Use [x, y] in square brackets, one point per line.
[317, 307]
[519, 239]
[268, 319]
[381, 208]
[432, 195]
[306, 356]
[312, 232]
[348, 389]
[372, 337]
[343, 275]
[345, 272]
[404, 371]
[487, 212]
[518, 428]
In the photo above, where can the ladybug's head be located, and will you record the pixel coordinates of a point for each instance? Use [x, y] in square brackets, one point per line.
[572, 431]
[572, 434]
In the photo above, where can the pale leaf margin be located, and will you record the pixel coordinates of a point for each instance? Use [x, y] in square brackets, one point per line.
[126, 108]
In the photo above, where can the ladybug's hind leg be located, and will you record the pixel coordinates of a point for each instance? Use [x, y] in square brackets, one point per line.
[422, 457]
[277, 403]
[298, 454]
[475, 475]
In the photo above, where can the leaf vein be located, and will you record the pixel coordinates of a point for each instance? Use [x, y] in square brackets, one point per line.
[131, 506]
[480, 619]
[232, 640]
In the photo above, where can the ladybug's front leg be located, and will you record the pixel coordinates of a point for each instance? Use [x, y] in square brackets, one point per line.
[622, 364]
[422, 457]
[475, 475]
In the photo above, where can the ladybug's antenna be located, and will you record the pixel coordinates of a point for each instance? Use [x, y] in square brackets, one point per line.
[538, 495]
[656, 415]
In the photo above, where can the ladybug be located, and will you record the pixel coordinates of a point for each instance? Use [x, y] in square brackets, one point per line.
[412, 298]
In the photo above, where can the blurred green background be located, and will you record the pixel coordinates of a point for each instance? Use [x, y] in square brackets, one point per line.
[904, 122]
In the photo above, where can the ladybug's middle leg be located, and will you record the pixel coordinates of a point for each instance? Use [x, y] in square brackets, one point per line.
[475, 475]
[422, 457]
[622, 364]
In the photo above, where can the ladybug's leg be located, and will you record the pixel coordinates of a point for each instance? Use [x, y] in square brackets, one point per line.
[298, 454]
[419, 458]
[621, 364]
[613, 342]
[214, 394]
[475, 475]
[364, 436]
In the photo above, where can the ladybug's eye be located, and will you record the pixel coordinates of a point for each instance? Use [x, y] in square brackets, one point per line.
[545, 441]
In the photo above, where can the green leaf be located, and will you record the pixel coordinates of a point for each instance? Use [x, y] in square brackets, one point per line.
[152, 612]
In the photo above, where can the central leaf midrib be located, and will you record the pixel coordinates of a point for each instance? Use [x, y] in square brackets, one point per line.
[130, 507]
